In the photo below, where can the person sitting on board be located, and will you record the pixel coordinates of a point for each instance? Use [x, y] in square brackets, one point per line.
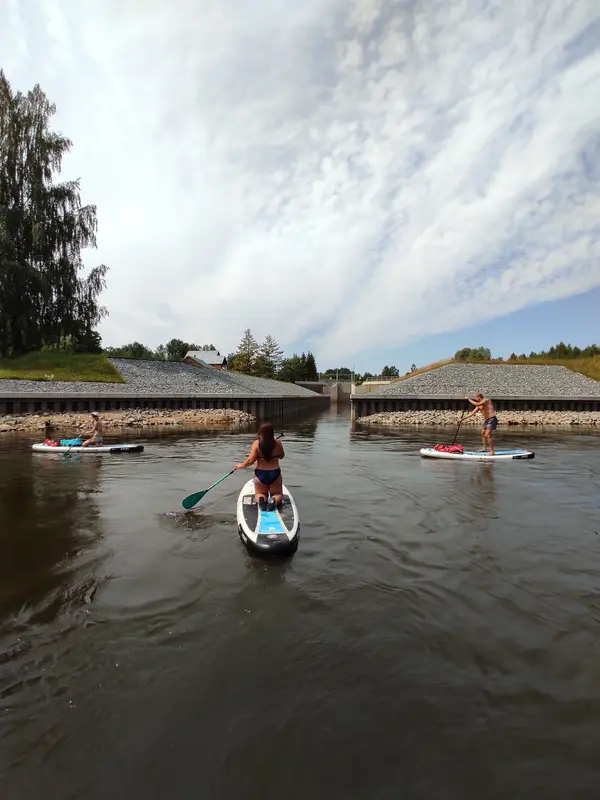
[485, 406]
[48, 431]
[266, 452]
[96, 436]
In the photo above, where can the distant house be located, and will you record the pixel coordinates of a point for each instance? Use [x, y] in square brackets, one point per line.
[205, 358]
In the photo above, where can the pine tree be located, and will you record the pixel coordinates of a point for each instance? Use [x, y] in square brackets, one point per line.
[247, 353]
[302, 363]
[311, 368]
[270, 358]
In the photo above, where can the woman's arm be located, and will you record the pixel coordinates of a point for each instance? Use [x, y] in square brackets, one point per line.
[251, 457]
[282, 451]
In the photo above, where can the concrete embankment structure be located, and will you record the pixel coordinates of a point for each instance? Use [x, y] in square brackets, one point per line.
[162, 385]
[524, 389]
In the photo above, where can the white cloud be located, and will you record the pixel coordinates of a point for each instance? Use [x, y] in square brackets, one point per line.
[354, 172]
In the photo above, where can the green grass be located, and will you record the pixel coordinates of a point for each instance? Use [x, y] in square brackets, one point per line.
[590, 366]
[60, 366]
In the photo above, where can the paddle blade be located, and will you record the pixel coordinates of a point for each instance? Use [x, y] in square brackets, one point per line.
[191, 500]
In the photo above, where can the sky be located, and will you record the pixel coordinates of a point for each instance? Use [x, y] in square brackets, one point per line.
[378, 181]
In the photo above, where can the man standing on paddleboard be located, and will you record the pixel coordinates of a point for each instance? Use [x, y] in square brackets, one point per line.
[490, 421]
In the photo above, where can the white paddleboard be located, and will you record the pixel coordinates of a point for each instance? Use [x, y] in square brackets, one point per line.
[267, 531]
[103, 448]
[474, 455]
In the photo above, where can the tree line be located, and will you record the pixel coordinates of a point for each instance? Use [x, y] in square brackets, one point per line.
[555, 353]
[346, 374]
[560, 351]
[265, 360]
[173, 350]
[44, 300]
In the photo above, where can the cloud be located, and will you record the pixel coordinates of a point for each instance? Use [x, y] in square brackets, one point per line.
[353, 173]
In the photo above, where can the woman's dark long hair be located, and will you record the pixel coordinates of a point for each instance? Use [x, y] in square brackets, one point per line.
[266, 440]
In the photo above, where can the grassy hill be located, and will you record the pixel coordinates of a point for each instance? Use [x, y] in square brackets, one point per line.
[589, 366]
[60, 366]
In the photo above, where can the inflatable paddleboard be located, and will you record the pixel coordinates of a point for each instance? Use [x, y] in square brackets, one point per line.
[473, 455]
[103, 448]
[267, 531]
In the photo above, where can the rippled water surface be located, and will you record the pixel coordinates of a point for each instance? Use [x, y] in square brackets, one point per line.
[435, 636]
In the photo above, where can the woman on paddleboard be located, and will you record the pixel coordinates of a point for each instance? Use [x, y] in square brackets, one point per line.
[266, 452]
[97, 434]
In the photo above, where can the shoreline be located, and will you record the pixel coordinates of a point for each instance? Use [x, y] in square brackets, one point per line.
[65, 422]
[434, 419]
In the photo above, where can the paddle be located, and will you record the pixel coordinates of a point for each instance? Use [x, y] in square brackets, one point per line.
[191, 500]
[459, 424]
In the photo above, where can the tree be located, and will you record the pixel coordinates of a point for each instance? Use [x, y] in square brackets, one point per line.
[133, 350]
[269, 358]
[246, 354]
[43, 229]
[473, 354]
[302, 375]
[389, 372]
[311, 373]
[512, 357]
[88, 341]
[175, 349]
[341, 372]
[413, 368]
[291, 370]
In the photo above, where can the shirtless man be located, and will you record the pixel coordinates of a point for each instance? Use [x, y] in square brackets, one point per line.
[490, 420]
[96, 435]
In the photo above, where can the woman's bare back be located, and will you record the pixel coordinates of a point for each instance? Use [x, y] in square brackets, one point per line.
[268, 463]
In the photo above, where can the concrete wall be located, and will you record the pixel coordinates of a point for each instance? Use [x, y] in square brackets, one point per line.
[315, 386]
[363, 405]
[263, 407]
[370, 386]
[342, 391]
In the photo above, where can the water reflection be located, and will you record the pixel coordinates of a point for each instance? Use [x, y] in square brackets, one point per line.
[467, 592]
[49, 520]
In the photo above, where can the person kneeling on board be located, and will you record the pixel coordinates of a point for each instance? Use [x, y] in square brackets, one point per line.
[96, 435]
[485, 406]
[266, 452]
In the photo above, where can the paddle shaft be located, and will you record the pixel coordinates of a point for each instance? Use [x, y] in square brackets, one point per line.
[76, 442]
[459, 424]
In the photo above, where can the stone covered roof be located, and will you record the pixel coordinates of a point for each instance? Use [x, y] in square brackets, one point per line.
[208, 356]
[162, 377]
[494, 380]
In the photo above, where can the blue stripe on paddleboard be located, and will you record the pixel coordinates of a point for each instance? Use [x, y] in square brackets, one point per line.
[497, 453]
[270, 523]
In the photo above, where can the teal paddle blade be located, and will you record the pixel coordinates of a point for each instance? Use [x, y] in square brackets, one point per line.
[191, 500]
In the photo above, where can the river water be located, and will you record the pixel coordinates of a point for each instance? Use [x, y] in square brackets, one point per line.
[435, 636]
